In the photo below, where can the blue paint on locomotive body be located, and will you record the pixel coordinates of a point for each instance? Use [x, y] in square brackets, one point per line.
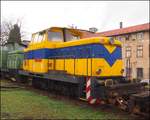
[76, 52]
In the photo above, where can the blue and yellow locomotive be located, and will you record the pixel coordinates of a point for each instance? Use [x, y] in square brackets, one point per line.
[61, 56]
[50, 50]
[61, 60]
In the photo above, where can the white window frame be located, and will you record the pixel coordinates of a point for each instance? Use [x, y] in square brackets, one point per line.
[140, 36]
[128, 51]
[134, 36]
[127, 36]
[139, 53]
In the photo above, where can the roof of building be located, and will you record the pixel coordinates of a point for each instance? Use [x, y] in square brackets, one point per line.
[23, 43]
[121, 31]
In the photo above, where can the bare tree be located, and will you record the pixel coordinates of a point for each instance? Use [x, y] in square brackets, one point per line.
[14, 35]
[6, 27]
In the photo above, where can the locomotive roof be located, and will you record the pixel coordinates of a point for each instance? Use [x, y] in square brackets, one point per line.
[77, 31]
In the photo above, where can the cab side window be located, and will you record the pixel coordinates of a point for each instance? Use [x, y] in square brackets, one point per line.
[36, 38]
[70, 36]
[55, 36]
[41, 36]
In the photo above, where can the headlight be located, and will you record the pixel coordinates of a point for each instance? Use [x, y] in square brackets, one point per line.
[98, 71]
[122, 71]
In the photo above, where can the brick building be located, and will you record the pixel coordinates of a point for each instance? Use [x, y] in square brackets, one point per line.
[135, 49]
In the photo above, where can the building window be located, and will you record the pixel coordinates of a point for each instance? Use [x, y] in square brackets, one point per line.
[128, 51]
[139, 73]
[140, 36]
[127, 37]
[140, 51]
[134, 37]
[120, 38]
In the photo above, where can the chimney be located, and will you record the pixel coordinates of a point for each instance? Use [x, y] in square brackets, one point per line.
[121, 25]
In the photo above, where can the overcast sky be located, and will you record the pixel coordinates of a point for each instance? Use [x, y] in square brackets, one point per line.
[38, 15]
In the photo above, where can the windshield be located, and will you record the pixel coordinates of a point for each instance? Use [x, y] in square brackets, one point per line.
[38, 37]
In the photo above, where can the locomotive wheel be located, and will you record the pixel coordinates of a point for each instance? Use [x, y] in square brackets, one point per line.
[122, 104]
[35, 83]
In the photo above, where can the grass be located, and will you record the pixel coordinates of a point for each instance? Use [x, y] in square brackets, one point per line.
[23, 104]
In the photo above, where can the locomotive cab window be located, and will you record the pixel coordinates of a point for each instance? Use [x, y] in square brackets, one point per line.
[41, 36]
[55, 36]
[70, 36]
[38, 37]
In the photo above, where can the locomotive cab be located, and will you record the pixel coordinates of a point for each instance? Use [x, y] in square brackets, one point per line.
[55, 34]
[46, 39]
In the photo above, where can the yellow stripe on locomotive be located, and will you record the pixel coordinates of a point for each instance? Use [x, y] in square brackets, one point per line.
[99, 56]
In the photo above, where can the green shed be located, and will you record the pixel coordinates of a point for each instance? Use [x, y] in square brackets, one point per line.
[15, 60]
[3, 58]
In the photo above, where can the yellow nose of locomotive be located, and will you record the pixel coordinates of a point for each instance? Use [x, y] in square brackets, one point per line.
[110, 63]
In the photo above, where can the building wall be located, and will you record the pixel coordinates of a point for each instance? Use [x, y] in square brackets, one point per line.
[136, 62]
